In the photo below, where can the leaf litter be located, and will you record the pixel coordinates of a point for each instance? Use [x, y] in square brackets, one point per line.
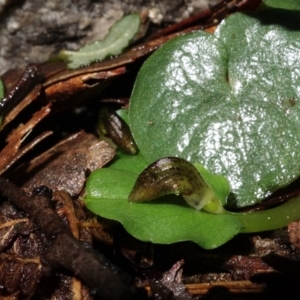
[64, 284]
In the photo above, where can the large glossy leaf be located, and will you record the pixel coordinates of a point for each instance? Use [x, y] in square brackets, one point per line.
[229, 101]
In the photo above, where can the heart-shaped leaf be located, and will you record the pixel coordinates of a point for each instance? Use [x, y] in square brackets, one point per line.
[229, 101]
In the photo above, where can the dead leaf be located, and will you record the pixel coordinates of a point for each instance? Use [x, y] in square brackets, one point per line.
[140, 254]
[66, 165]
[21, 245]
[170, 286]
[32, 96]
[70, 90]
[294, 233]
[94, 229]
[14, 140]
[62, 287]
[13, 223]
[172, 279]
[236, 287]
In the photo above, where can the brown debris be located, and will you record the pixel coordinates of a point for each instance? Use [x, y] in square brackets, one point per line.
[21, 245]
[14, 296]
[33, 95]
[76, 87]
[9, 230]
[65, 251]
[22, 151]
[65, 209]
[83, 224]
[92, 227]
[140, 254]
[172, 279]
[13, 223]
[65, 166]
[22, 87]
[170, 286]
[244, 267]
[173, 282]
[10, 77]
[14, 273]
[94, 230]
[14, 140]
[294, 233]
[236, 287]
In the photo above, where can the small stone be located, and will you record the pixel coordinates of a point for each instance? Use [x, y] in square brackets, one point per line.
[12, 26]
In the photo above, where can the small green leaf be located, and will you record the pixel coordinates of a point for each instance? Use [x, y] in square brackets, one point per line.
[169, 219]
[132, 163]
[118, 38]
[107, 192]
[166, 221]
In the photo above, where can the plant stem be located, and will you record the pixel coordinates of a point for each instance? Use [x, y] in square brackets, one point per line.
[270, 219]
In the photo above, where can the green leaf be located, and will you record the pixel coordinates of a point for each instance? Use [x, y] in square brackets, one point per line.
[282, 4]
[218, 183]
[169, 219]
[165, 221]
[132, 163]
[1, 89]
[124, 114]
[229, 101]
[118, 38]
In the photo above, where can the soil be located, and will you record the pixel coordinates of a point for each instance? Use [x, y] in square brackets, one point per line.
[32, 30]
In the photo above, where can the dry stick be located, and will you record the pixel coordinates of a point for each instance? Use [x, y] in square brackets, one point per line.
[104, 279]
[243, 286]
